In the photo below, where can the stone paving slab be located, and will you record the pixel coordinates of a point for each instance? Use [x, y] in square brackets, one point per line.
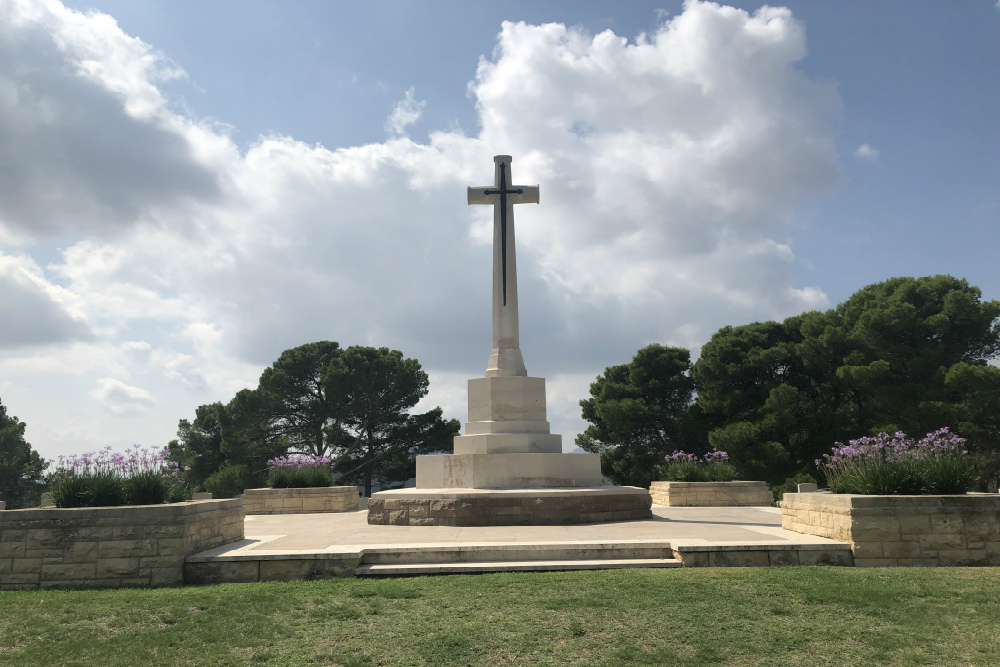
[350, 532]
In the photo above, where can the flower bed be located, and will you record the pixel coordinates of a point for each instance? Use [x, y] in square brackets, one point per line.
[706, 481]
[110, 547]
[901, 501]
[712, 467]
[897, 464]
[299, 471]
[930, 530]
[138, 476]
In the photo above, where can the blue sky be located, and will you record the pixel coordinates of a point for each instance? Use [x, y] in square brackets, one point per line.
[215, 182]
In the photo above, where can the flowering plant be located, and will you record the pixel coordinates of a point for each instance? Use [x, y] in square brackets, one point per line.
[138, 476]
[299, 470]
[898, 464]
[712, 467]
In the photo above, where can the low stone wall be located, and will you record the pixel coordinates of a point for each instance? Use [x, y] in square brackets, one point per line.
[270, 567]
[902, 530]
[764, 555]
[301, 501]
[110, 547]
[711, 494]
[507, 507]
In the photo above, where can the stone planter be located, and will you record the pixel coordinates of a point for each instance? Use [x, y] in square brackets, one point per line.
[902, 530]
[711, 494]
[301, 501]
[110, 547]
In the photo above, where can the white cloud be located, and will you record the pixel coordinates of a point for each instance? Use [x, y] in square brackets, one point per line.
[866, 152]
[665, 165]
[34, 311]
[120, 398]
[407, 112]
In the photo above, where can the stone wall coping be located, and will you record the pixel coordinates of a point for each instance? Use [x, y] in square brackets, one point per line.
[780, 546]
[276, 555]
[847, 501]
[554, 492]
[299, 491]
[132, 513]
[705, 485]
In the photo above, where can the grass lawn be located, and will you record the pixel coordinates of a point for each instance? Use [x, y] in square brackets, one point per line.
[718, 616]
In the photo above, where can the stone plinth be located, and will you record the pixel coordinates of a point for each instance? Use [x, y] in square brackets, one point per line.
[711, 494]
[301, 501]
[111, 547]
[508, 471]
[510, 507]
[507, 444]
[902, 530]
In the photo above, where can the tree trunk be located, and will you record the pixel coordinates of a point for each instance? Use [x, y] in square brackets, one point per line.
[368, 483]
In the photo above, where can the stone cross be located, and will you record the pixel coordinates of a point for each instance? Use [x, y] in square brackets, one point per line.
[505, 357]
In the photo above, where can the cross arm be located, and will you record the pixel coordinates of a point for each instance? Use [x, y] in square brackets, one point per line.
[529, 195]
[478, 196]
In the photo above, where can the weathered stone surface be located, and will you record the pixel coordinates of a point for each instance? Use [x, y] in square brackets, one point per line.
[110, 546]
[510, 508]
[301, 501]
[711, 494]
[738, 559]
[901, 530]
[226, 572]
[782, 558]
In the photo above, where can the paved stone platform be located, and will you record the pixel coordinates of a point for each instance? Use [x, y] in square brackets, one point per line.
[316, 546]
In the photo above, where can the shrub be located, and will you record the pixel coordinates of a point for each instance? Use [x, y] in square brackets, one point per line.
[899, 465]
[105, 478]
[146, 488]
[228, 481]
[713, 467]
[299, 471]
[71, 491]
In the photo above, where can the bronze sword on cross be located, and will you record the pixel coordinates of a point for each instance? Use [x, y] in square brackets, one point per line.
[499, 196]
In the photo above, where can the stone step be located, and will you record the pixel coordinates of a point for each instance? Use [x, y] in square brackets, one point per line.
[412, 569]
[516, 552]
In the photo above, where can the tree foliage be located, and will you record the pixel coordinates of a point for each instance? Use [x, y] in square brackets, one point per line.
[351, 405]
[639, 412]
[21, 468]
[198, 447]
[371, 392]
[906, 354]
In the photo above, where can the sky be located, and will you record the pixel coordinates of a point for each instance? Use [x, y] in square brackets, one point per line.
[187, 189]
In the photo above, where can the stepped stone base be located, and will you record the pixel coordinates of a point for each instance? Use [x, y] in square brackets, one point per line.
[508, 507]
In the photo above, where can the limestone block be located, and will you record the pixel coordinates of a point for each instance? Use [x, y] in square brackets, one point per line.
[738, 558]
[117, 567]
[508, 471]
[501, 443]
[875, 562]
[783, 557]
[951, 557]
[53, 572]
[26, 565]
[910, 549]
[224, 572]
[832, 557]
[942, 541]
[510, 398]
[506, 426]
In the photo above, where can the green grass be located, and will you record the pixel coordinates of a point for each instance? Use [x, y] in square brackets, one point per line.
[751, 616]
